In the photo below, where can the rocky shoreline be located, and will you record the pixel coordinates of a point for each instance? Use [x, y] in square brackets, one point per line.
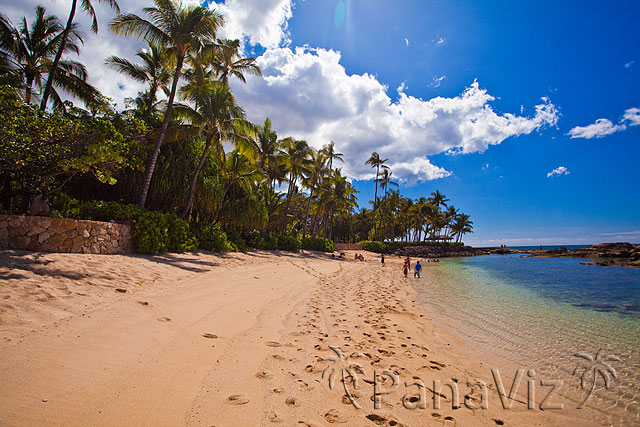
[604, 254]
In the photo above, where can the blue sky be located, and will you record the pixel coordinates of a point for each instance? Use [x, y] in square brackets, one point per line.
[525, 114]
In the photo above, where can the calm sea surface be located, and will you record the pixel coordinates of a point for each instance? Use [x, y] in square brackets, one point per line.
[538, 313]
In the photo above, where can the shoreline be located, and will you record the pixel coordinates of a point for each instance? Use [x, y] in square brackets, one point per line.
[247, 340]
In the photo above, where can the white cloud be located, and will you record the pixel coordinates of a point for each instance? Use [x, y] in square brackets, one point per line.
[559, 171]
[485, 167]
[440, 40]
[632, 117]
[599, 129]
[437, 81]
[604, 127]
[629, 64]
[635, 233]
[406, 41]
[261, 22]
[308, 94]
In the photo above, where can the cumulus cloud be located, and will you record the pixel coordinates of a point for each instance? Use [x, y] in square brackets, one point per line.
[629, 64]
[308, 94]
[262, 22]
[440, 40]
[406, 41]
[605, 127]
[560, 170]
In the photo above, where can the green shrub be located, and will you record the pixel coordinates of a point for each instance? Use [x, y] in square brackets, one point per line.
[388, 247]
[317, 244]
[289, 243]
[151, 233]
[181, 238]
[211, 237]
[235, 238]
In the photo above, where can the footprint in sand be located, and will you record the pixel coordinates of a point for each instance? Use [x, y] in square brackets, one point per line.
[143, 303]
[274, 418]
[333, 417]
[237, 399]
[211, 336]
[292, 401]
[278, 390]
[272, 344]
[264, 375]
[498, 422]
[164, 319]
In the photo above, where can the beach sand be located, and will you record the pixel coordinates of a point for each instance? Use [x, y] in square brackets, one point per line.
[251, 339]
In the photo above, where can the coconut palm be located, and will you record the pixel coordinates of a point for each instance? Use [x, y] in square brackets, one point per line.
[180, 30]
[376, 162]
[438, 199]
[268, 154]
[153, 71]
[216, 118]
[28, 51]
[330, 153]
[461, 225]
[229, 62]
[385, 182]
[237, 169]
[315, 172]
[67, 32]
[297, 158]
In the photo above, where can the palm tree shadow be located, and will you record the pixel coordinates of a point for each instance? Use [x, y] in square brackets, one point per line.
[185, 263]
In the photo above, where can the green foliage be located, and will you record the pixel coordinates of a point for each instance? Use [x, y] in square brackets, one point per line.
[41, 150]
[387, 247]
[289, 242]
[151, 233]
[317, 244]
[181, 238]
[211, 237]
[237, 241]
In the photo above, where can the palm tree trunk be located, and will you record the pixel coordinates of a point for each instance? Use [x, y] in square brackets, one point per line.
[163, 131]
[375, 200]
[56, 61]
[152, 95]
[194, 181]
[27, 96]
[224, 195]
[306, 220]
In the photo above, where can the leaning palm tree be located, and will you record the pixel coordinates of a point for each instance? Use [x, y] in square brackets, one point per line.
[228, 61]
[68, 29]
[153, 71]
[29, 50]
[216, 118]
[376, 162]
[180, 30]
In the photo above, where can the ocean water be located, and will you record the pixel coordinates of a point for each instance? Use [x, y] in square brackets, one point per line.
[539, 313]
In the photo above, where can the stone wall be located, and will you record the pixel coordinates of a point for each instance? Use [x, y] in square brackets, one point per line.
[38, 233]
[348, 247]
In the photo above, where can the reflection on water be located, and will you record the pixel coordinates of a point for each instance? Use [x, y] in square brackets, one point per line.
[538, 313]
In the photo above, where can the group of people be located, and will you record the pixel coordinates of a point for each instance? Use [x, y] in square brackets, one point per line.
[407, 266]
[359, 257]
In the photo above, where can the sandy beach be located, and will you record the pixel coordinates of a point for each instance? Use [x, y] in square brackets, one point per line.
[261, 338]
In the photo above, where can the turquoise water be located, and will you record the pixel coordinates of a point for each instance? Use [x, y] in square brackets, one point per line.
[537, 313]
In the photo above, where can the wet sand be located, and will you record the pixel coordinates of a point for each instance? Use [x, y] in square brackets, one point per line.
[239, 339]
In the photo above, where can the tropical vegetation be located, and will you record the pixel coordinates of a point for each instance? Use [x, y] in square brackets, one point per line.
[181, 162]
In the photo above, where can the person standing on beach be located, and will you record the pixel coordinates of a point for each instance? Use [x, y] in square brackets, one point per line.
[382, 259]
[405, 269]
[416, 272]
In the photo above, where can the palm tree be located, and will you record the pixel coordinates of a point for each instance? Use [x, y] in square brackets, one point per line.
[330, 154]
[180, 30]
[153, 71]
[267, 149]
[461, 225]
[385, 182]
[376, 162]
[297, 156]
[216, 118]
[236, 169]
[28, 51]
[68, 30]
[229, 62]
[315, 172]
[438, 199]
